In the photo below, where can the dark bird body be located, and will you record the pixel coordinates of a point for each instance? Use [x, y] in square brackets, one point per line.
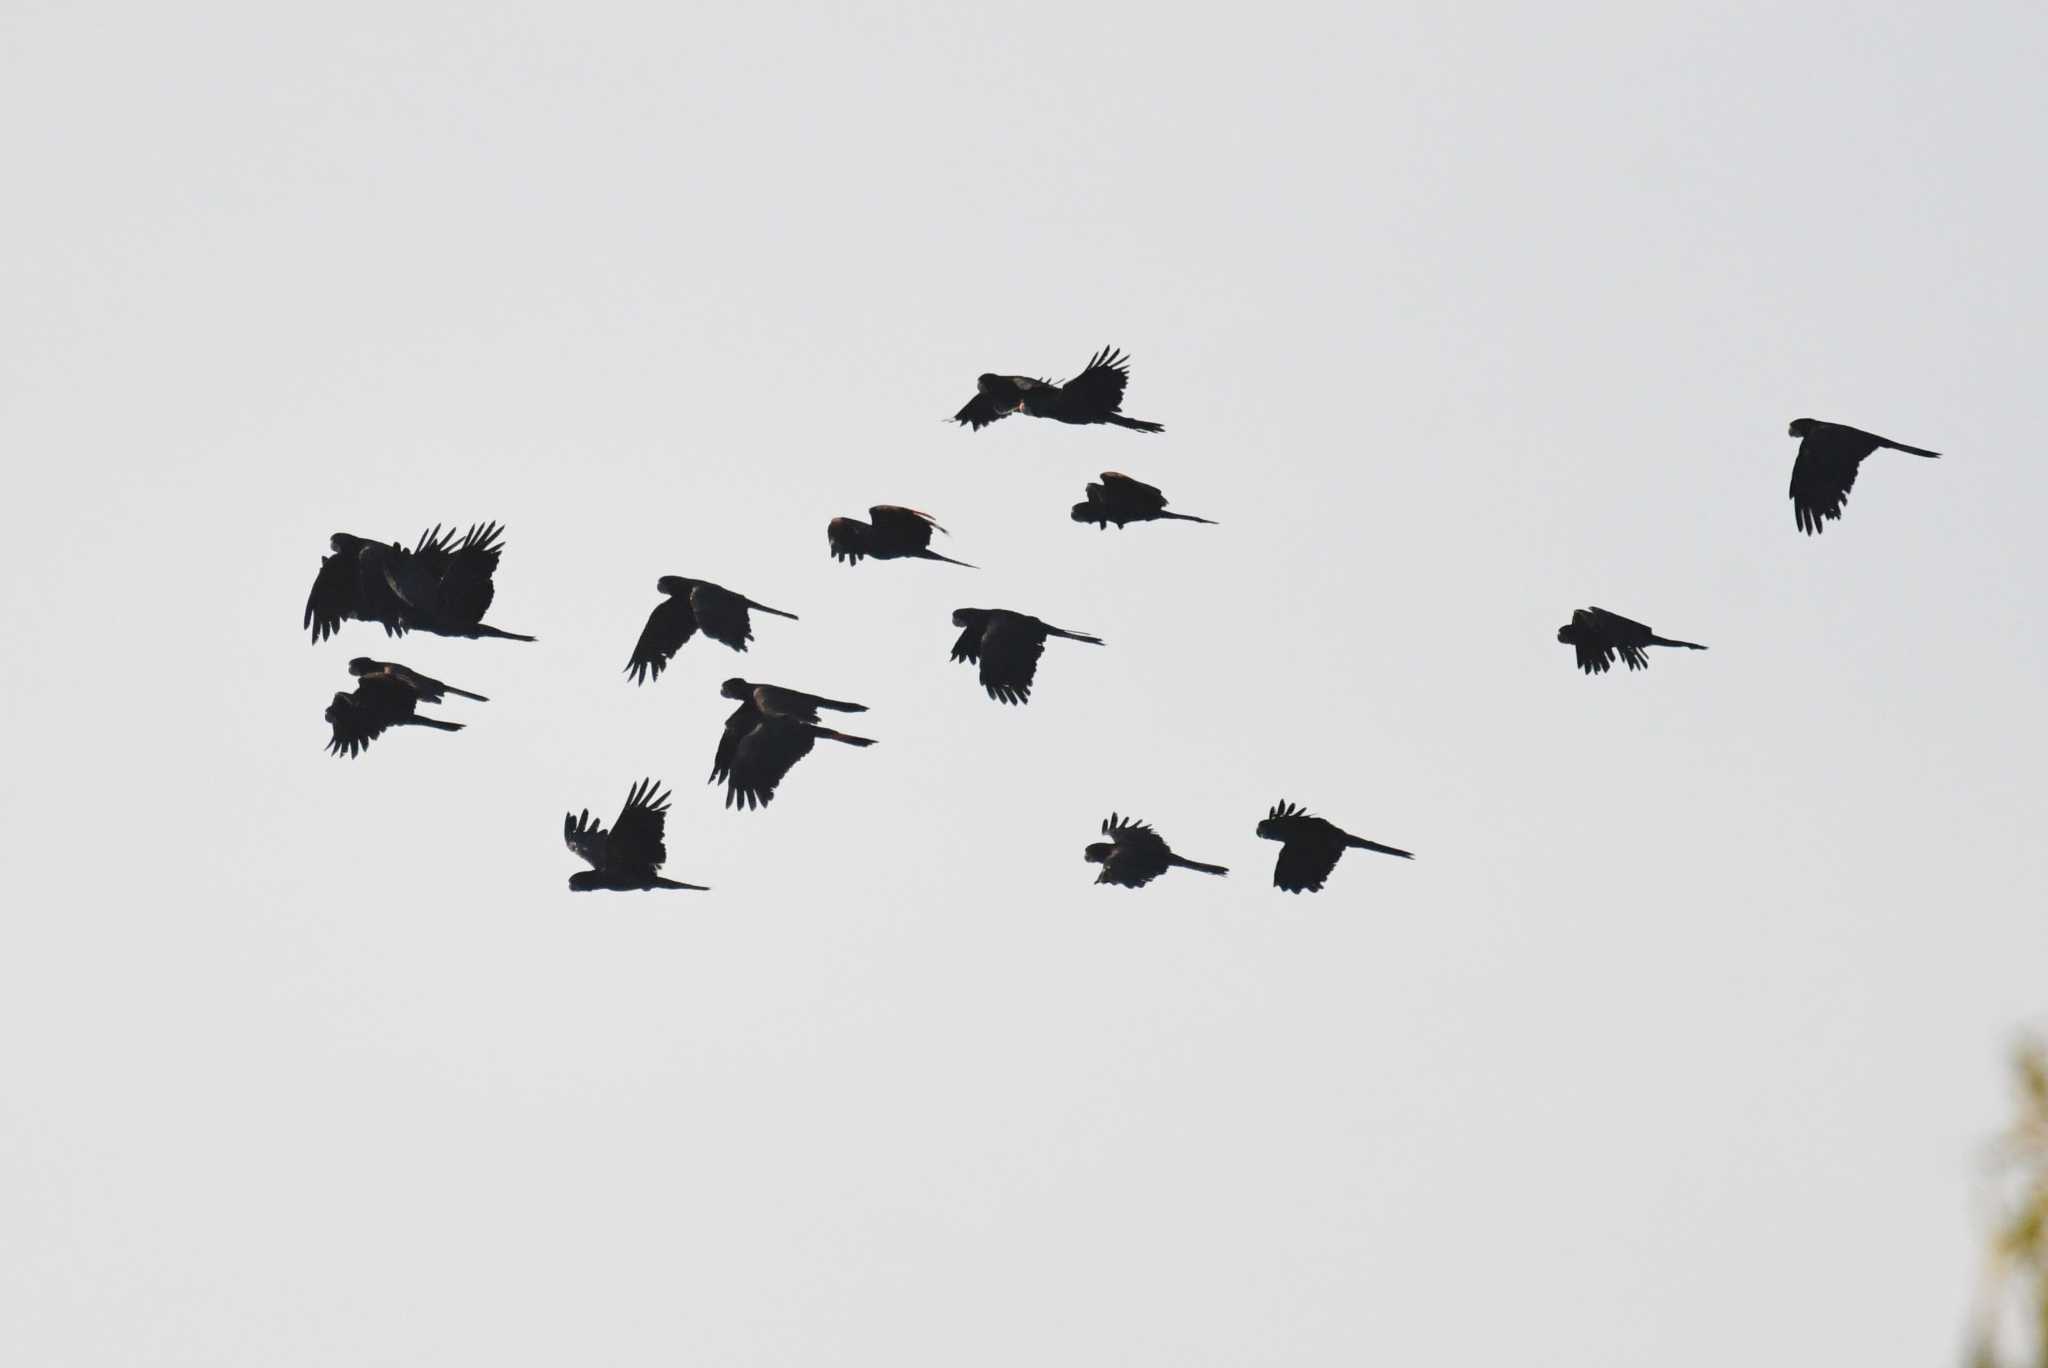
[693, 605]
[1135, 855]
[766, 735]
[1597, 636]
[891, 533]
[442, 585]
[1096, 395]
[629, 857]
[1825, 470]
[386, 695]
[1006, 646]
[1120, 499]
[1310, 847]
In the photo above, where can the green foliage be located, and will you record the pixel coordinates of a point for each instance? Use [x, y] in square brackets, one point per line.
[2017, 1295]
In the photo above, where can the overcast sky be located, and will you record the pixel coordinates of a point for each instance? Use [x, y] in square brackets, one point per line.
[1677, 1044]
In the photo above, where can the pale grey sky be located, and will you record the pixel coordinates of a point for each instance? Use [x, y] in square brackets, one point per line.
[1676, 1045]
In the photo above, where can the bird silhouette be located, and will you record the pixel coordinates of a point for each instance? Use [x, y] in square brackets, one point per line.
[1007, 646]
[1597, 635]
[386, 695]
[426, 688]
[442, 585]
[1120, 499]
[1093, 396]
[891, 533]
[766, 735]
[1825, 470]
[1310, 847]
[1135, 855]
[692, 605]
[629, 857]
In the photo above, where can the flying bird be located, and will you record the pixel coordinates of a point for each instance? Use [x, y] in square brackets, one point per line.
[386, 696]
[1120, 499]
[693, 605]
[1825, 470]
[1007, 646]
[1596, 635]
[1135, 855]
[425, 688]
[766, 734]
[891, 533]
[442, 585]
[1093, 396]
[628, 858]
[1310, 847]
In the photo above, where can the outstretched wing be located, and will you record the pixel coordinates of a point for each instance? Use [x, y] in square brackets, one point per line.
[359, 718]
[334, 596]
[1824, 472]
[586, 836]
[1615, 627]
[466, 586]
[979, 412]
[906, 527]
[1127, 868]
[636, 839]
[1136, 837]
[737, 724]
[1009, 660]
[1099, 388]
[762, 757]
[1304, 864]
[670, 625]
[1594, 658]
[722, 615]
[968, 647]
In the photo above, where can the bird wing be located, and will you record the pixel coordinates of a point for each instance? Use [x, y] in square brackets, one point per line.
[1131, 493]
[906, 527]
[1137, 837]
[1128, 868]
[848, 538]
[334, 596]
[1824, 472]
[1615, 627]
[636, 839]
[585, 836]
[763, 756]
[1100, 387]
[423, 687]
[414, 576]
[378, 703]
[979, 412]
[737, 724]
[968, 647]
[1594, 657]
[670, 625]
[1009, 660]
[1304, 864]
[722, 615]
[466, 587]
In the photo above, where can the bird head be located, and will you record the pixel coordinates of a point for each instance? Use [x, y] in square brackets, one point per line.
[736, 688]
[344, 543]
[674, 585]
[1087, 512]
[1564, 634]
[363, 665]
[1099, 852]
[585, 880]
[966, 617]
[1800, 427]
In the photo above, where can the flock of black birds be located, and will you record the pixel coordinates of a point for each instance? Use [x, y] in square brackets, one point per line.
[444, 585]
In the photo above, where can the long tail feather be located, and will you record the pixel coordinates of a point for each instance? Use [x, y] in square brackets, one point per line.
[933, 555]
[1364, 844]
[1667, 641]
[1074, 636]
[486, 630]
[1199, 866]
[464, 693]
[1187, 517]
[660, 882]
[831, 735]
[436, 723]
[1134, 424]
[764, 608]
[1914, 451]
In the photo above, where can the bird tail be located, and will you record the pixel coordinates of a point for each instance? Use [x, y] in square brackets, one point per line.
[1134, 424]
[464, 693]
[1073, 636]
[1187, 517]
[436, 723]
[836, 706]
[485, 630]
[1198, 866]
[831, 735]
[1364, 844]
[660, 882]
[1667, 641]
[929, 554]
[764, 608]
[1914, 451]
